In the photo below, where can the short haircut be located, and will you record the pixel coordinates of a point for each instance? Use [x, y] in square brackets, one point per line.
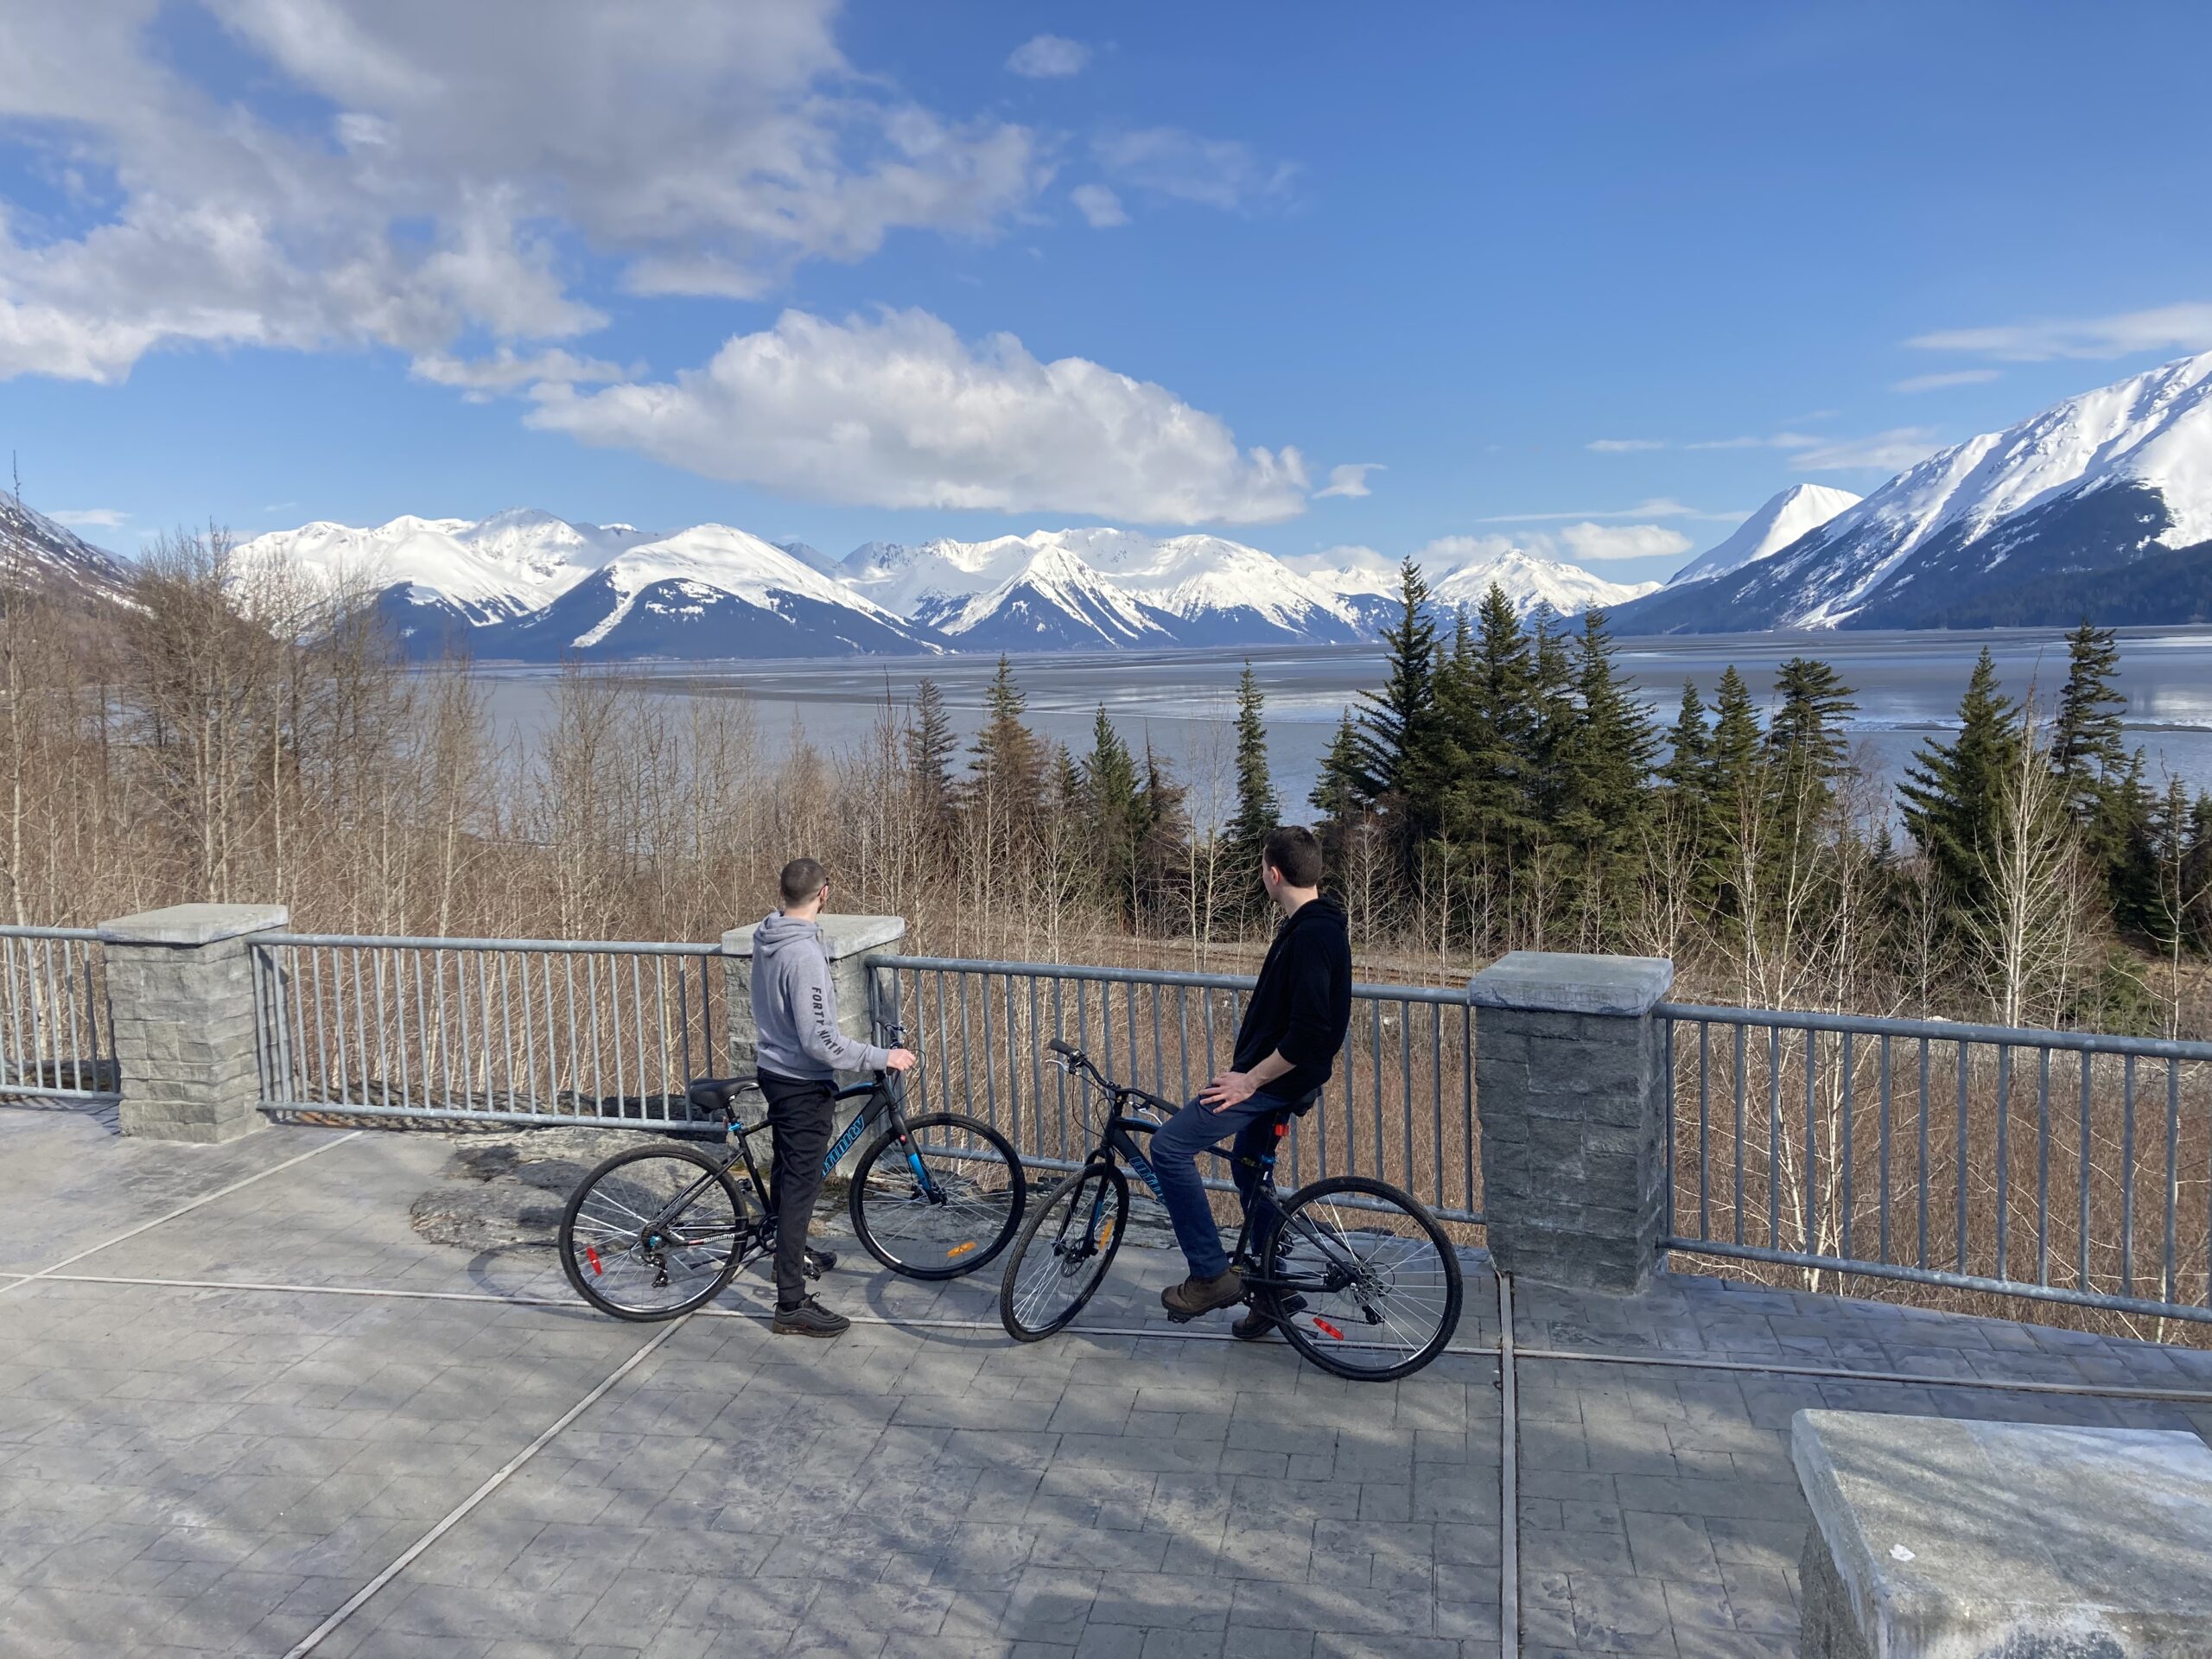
[801, 879]
[1294, 852]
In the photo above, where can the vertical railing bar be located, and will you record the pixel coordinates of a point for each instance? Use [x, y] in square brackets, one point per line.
[1965, 1067]
[401, 961]
[360, 1024]
[1183, 1037]
[1158, 1052]
[445, 1030]
[2043, 1168]
[1704, 1126]
[1739, 1153]
[2003, 1152]
[1812, 1144]
[1883, 1196]
[1375, 1043]
[683, 965]
[1467, 1092]
[944, 1044]
[2081, 1184]
[1405, 1083]
[1059, 1073]
[638, 1026]
[1774, 1137]
[591, 1007]
[427, 1057]
[2127, 1178]
[2173, 1173]
[660, 1013]
[1925, 1180]
[15, 1067]
[1037, 1064]
[1436, 1098]
[47, 1038]
[1848, 1102]
[529, 1029]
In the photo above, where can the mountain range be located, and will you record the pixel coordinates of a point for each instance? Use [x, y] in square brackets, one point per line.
[2099, 506]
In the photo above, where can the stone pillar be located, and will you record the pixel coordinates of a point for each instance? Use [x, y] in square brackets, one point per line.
[848, 940]
[1571, 1086]
[180, 985]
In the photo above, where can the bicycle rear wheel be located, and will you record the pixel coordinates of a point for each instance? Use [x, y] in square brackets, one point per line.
[1379, 1281]
[942, 1202]
[655, 1231]
[1065, 1246]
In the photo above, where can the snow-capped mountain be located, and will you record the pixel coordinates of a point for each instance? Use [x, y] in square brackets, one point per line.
[1797, 509]
[1529, 579]
[2099, 506]
[707, 592]
[38, 553]
[1093, 585]
[441, 578]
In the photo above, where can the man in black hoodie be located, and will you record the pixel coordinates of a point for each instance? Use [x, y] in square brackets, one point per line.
[1286, 1049]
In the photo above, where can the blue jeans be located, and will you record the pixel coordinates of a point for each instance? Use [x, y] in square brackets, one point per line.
[1175, 1148]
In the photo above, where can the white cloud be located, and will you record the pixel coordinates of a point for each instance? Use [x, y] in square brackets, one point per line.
[1938, 382]
[1100, 206]
[472, 155]
[1622, 446]
[1212, 172]
[1586, 542]
[1045, 57]
[1659, 507]
[899, 411]
[2186, 327]
[91, 518]
[1350, 478]
[1776, 440]
[479, 377]
[1888, 452]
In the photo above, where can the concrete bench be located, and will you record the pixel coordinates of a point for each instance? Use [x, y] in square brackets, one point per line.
[1934, 1539]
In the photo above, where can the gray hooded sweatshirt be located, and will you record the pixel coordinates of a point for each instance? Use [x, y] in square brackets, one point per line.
[795, 1006]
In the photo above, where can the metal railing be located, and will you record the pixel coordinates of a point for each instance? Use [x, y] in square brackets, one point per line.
[2057, 1165]
[55, 1035]
[604, 1033]
[1402, 1105]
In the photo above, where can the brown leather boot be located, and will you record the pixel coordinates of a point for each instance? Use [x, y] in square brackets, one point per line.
[1196, 1296]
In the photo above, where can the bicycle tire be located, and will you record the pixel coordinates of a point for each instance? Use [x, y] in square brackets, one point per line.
[1321, 1337]
[588, 1268]
[959, 1249]
[1019, 1305]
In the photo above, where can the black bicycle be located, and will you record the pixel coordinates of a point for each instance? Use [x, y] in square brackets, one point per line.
[658, 1229]
[1355, 1273]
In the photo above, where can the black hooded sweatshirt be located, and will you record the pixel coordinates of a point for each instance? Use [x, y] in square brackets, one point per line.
[1302, 1005]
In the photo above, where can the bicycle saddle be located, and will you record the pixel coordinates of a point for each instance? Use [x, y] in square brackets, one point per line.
[712, 1094]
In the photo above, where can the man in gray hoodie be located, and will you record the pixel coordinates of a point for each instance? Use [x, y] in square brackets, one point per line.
[801, 1051]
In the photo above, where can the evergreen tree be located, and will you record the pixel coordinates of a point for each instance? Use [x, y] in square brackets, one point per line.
[1009, 761]
[1954, 795]
[1164, 843]
[1403, 768]
[1494, 729]
[1733, 772]
[1552, 714]
[1805, 743]
[1258, 812]
[1609, 750]
[1118, 815]
[930, 746]
[1689, 747]
[2085, 746]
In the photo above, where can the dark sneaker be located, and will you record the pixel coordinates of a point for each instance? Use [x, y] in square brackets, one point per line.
[809, 1318]
[819, 1262]
[1195, 1296]
[1256, 1324]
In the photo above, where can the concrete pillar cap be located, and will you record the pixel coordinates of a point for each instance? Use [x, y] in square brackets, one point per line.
[842, 936]
[1560, 982]
[191, 924]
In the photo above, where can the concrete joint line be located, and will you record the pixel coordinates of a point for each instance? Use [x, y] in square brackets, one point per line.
[1508, 1478]
[148, 1226]
[460, 1512]
[1576, 1356]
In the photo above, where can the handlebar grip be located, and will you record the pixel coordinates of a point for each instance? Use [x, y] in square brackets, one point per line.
[1059, 1047]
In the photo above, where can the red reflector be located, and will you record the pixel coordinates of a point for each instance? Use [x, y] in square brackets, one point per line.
[1328, 1330]
[1282, 1129]
[592, 1256]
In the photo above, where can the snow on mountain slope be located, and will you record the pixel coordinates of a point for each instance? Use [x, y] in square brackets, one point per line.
[710, 591]
[1528, 580]
[1201, 589]
[2094, 483]
[39, 553]
[489, 571]
[1797, 509]
[1053, 600]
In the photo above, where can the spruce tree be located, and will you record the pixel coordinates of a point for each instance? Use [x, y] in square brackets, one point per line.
[1115, 800]
[1609, 748]
[1689, 747]
[1736, 794]
[1495, 730]
[1552, 715]
[2085, 747]
[1258, 812]
[1805, 743]
[1009, 761]
[930, 743]
[1402, 767]
[1953, 796]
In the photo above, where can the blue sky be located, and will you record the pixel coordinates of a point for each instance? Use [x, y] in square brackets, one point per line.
[1591, 278]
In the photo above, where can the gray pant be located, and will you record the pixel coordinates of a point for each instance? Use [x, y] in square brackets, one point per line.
[799, 1113]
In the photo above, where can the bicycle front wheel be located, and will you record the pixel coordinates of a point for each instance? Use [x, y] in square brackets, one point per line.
[940, 1201]
[654, 1232]
[1061, 1258]
[1368, 1284]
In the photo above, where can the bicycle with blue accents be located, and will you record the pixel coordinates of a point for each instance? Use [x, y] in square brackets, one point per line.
[1354, 1272]
[658, 1231]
